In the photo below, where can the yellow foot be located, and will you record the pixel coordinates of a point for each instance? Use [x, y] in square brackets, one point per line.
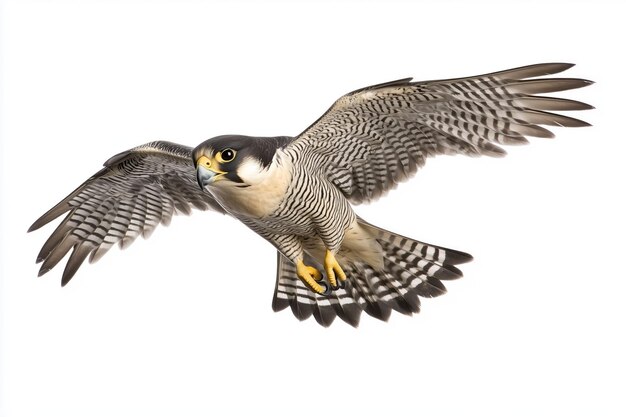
[310, 276]
[333, 270]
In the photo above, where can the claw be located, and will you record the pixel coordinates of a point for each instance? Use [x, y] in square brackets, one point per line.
[333, 270]
[327, 289]
[311, 277]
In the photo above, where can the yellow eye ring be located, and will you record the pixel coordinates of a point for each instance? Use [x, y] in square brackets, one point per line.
[226, 155]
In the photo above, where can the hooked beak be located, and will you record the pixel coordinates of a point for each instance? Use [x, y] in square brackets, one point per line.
[204, 176]
[207, 171]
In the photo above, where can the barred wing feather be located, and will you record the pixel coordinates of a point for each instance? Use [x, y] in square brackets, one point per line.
[373, 138]
[135, 192]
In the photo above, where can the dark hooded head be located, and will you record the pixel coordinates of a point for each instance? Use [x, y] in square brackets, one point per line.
[235, 158]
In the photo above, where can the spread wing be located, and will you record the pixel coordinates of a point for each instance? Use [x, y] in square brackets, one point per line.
[373, 138]
[135, 192]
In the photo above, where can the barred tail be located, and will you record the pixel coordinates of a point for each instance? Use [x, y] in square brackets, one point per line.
[411, 269]
[291, 292]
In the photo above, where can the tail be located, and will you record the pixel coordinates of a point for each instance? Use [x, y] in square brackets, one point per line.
[411, 269]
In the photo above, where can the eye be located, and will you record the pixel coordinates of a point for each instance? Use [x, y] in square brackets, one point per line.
[226, 155]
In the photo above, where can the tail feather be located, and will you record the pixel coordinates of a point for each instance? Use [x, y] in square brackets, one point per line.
[366, 298]
[291, 292]
[414, 264]
[419, 282]
[323, 315]
[430, 288]
[382, 286]
[423, 250]
[411, 269]
[302, 309]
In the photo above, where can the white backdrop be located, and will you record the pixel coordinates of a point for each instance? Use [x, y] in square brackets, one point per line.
[181, 324]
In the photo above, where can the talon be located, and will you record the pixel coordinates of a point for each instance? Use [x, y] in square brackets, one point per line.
[310, 277]
[333, 270]
[327, 289]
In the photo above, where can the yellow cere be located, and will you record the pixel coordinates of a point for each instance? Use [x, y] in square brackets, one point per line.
[204, 161]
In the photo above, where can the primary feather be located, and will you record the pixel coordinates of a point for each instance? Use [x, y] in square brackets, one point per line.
[378, 136]
[135, 192]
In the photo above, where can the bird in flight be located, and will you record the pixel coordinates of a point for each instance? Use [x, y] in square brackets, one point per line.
[297, 192]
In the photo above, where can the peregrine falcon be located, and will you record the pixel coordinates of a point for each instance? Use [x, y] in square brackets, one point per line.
[297, 192]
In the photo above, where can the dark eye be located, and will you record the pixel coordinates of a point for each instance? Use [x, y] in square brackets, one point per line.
[227, 155]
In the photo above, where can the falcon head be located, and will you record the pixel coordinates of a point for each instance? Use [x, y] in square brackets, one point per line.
[235, 160]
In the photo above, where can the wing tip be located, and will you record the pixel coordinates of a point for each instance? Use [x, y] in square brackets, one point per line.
[565, 65]
[582, 123]
[582, 82]
[67, 276]
[457, 257]
[553, 67]
[43, 220]
[43, 271]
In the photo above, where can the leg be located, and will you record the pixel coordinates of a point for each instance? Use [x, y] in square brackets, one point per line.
[332, 239]
[312, 278]
[333, 270]
[291, 247]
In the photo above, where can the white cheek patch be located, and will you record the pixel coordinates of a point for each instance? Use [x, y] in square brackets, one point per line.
[266, 188]
[251, 171]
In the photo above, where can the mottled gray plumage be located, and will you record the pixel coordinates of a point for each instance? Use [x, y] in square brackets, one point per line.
[135, 191]
[296, 192]
[393, 127]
